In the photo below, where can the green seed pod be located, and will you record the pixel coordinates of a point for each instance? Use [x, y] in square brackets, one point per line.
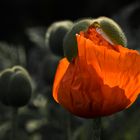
[111, 29]
[15, 87]
[21, 69]
[55, 35]
[70, 42]
[4, 80]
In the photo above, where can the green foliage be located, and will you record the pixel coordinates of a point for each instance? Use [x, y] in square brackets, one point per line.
[11, 55]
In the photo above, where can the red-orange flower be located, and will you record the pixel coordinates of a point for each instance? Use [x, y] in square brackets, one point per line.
[103, 79]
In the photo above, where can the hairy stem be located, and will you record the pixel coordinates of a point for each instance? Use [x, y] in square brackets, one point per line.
[14, 124]
[96, 129]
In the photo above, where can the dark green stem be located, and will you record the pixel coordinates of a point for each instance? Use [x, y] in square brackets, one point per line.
[14, 124]
[96, 129]
[69, 128]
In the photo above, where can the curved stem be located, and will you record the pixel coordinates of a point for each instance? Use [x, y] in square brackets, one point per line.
[96, 129]
[69, 128]
[14, 124]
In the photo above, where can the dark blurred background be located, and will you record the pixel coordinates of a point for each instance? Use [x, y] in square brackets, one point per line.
[17, 15]
[23, 26]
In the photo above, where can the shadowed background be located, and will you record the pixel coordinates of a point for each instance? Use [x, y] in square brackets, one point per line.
[17, 15]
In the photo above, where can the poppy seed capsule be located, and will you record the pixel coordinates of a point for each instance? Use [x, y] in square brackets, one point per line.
[70, 43]
[55, 35]
[15, 87]
[111, 30]
[4, 79]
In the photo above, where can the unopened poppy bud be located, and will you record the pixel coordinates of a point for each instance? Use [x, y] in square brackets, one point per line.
[110, 30]
[4, 79]
[15, 87]
[70, 42]
[55, 35]
[20, 69]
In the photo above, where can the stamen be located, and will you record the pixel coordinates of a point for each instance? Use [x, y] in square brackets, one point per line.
[99, 38]
[100, 31]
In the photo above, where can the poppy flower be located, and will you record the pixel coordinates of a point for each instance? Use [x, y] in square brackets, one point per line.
[104, 78]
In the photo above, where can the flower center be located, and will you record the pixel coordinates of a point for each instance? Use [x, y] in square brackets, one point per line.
[97, 36]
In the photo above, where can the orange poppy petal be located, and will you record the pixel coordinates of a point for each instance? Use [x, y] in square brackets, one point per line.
[116, 68]
[61, 69]
[82, 90]
[75, 91]
[100, 81]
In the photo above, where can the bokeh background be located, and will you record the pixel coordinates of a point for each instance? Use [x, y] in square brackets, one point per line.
[23, 26]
